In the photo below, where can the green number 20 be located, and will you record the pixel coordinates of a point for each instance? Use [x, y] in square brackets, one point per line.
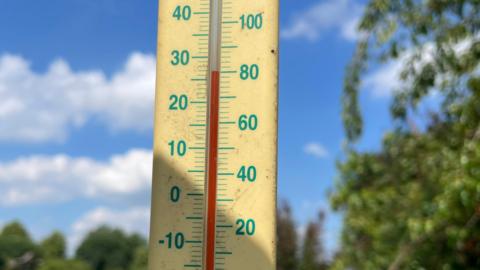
[245, 227]
[178, 102]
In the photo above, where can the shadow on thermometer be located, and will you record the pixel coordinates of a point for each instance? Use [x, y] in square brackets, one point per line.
[182, 211]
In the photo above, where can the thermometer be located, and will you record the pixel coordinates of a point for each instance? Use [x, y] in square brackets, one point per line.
[215, 136]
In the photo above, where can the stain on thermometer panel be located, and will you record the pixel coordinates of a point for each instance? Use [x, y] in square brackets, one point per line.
[215, 142]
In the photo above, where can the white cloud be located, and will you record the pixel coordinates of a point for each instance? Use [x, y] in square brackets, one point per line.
[39, 179]
[326, 16]
[385, 80]
[132, 220]
[315, 149]
[41, 107]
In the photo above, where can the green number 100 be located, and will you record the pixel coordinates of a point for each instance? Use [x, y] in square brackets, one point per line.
[251, 21]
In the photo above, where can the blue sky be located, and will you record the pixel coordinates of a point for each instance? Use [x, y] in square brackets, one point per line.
[76, 106]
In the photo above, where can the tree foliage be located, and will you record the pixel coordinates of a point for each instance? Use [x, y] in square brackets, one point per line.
[293, 254]
[286, 239]
[104, 248]
[140, 259]
[438, 42]
[312, 249]
[62, 264]
[54, 246]
[109, 249]
[415, 204]
[17, 250]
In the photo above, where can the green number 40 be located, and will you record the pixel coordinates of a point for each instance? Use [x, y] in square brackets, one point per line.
[247, 173]
[182, 13]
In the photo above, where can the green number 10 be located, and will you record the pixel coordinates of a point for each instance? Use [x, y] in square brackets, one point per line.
[179, 148]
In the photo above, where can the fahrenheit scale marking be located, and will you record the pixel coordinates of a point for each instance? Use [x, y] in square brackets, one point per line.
[214, 174]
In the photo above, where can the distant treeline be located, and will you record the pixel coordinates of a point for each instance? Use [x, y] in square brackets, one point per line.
[102, 249]
[112, 249]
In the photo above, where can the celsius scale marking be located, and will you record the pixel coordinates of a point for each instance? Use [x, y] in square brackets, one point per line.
[214, 174]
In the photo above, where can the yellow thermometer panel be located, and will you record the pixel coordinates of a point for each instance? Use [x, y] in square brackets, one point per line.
[215, 137]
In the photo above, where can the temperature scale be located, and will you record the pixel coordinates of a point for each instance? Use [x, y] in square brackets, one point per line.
[215, 145]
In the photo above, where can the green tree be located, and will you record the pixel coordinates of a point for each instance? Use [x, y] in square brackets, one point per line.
[140, 259]
[16, 229]
[415, 203]
[108, 249]
[3, 263]
[54, 246]
[286, 239]
[62, 264]
[312, 250]
[17, 250]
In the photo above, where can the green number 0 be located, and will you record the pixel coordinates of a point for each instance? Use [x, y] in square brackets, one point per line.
[175, 194]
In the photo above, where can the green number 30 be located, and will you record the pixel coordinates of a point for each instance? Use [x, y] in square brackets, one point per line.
[180, 57]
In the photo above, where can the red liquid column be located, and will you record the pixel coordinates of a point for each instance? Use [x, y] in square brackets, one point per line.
[212, 169]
